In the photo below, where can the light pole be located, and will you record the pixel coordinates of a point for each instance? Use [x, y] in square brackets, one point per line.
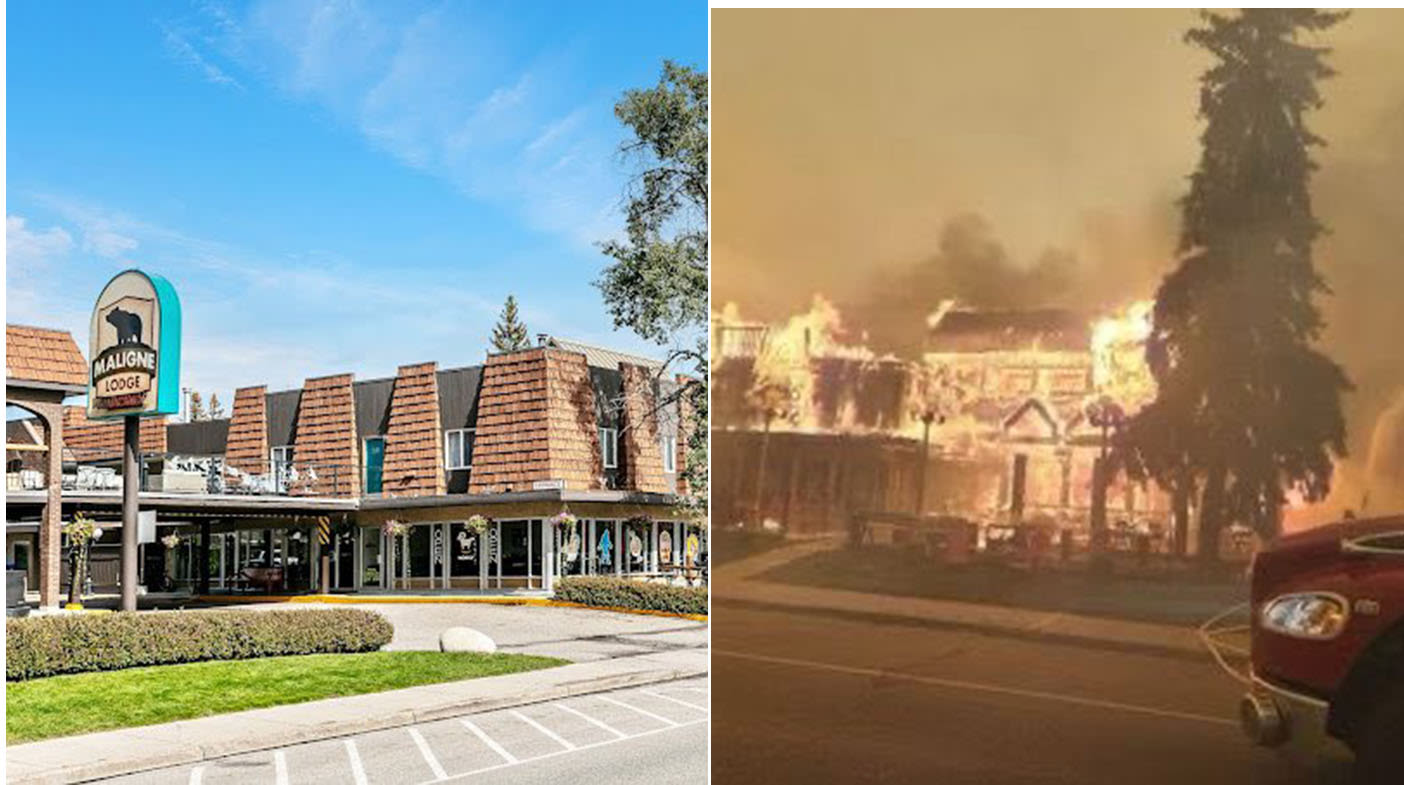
[928, 416]
[1106, 415]
[933, 395]
[773, 401]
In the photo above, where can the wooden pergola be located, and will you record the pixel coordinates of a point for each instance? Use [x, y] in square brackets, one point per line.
[43, 367]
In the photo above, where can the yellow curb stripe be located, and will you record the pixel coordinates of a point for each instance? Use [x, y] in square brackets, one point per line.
[640, 611]
[541, 602]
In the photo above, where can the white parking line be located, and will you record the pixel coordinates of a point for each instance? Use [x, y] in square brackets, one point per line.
[581, 748]
[979, 687]
[196, 775]
[358, 772]
[692, 706]
[280, 768]
[486, 739]
[428, 754]
[582, 715]
[630, 707]
[552, 734]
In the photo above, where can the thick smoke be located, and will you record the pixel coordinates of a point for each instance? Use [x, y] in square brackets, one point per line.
[972, 267]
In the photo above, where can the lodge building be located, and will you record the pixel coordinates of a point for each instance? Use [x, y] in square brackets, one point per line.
[1014, 442]
[241, 504]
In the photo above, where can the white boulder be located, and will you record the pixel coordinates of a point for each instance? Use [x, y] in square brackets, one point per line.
[465, 639]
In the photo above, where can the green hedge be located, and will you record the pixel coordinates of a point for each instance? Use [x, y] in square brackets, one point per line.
[49, 645]
[638, 595]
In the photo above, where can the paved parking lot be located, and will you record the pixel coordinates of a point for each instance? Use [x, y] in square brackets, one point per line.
[643, 734]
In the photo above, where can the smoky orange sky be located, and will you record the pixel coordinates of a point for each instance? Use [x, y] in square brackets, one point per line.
[891, 159]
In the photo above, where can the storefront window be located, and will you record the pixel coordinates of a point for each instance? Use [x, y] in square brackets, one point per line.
[464, 556]
[636, 546]
[570, 549]
[603, 549]
[667, 553]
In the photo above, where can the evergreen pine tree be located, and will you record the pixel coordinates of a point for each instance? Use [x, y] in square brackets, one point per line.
[197, 407]
[1247, 408]
[509, 335]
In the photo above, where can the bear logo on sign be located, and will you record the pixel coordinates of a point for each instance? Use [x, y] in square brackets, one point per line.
[128, 325]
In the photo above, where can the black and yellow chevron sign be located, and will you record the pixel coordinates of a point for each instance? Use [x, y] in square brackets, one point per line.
[323, 530]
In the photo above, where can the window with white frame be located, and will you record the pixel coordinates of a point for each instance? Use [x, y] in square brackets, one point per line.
[280, 461]
[669, 445]
[281, 458]
[609, 447]
[458, 448]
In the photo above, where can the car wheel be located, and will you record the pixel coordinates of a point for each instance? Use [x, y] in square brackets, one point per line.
[1379, 751]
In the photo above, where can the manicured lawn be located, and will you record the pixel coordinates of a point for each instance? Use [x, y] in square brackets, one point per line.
[730, 545]
[86, 702]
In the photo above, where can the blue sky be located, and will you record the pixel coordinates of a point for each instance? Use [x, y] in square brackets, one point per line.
[331, 186]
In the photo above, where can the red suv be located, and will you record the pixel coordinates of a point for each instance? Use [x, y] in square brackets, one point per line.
[1328, 647]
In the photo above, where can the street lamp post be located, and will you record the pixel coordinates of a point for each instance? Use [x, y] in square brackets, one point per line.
[1106, 415]
[773, 402]
[928, 416]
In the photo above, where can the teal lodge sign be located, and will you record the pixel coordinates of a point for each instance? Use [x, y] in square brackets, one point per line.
[134, 343]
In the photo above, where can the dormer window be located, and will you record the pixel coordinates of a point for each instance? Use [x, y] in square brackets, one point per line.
[669, 446]
[458, 449]
[609, 447]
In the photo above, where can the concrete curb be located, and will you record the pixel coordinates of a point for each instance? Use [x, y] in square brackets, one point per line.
[1194, 652]
[131, 750]
[429, 599]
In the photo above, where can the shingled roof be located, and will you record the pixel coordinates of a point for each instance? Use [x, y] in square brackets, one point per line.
[37, 354]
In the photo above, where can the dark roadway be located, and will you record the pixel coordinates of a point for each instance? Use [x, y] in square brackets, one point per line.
[806, 699]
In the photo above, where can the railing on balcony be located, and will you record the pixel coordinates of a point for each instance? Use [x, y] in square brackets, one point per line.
[93, 470]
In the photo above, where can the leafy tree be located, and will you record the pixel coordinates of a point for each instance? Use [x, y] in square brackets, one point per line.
[216, 408]
[1246, 408]
[197, 407]
[509, 335]
[656, 284]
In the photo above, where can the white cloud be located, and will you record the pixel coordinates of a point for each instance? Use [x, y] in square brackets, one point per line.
[105, 242]
[440, 93]
[252, 319]
[180, 48]
[25, 246]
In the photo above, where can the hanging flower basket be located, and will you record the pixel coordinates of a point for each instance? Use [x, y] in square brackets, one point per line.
[393, 528]
[563, 519]
[80, 529]
[478, 524]
[171, 541]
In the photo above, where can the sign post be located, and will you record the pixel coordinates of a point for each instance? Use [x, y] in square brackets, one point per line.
[134, 343]
[131, 483]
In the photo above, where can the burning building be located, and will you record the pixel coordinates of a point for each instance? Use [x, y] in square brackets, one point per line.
[993, 422]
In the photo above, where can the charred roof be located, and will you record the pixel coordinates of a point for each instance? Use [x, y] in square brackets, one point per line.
[1049, 329]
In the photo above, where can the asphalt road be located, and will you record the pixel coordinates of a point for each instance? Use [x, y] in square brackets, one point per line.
[805, 699]
[653, 734]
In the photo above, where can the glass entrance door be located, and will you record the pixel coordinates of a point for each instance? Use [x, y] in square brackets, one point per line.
[520, 556]
[344, 562]
[464, 553]
[372, 571]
